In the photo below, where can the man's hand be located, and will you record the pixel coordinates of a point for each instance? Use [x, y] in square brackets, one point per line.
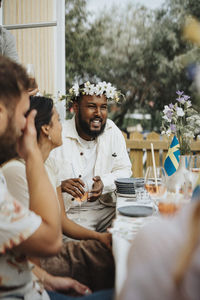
[105, 238]
[27, 143]
[73, 186]
[64, 284]
[97, 189]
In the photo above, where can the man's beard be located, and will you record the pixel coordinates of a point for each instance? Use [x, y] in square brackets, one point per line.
[8, 143]
[86, 127]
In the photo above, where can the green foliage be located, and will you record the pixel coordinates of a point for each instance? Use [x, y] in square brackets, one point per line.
[83, 43]
[140, 51]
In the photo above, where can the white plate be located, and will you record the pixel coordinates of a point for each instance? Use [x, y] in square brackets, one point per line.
[127, 195]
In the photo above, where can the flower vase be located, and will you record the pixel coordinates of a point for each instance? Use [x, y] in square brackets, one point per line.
[177, 181]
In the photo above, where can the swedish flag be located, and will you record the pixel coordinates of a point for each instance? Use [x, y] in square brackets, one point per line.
[172, 159]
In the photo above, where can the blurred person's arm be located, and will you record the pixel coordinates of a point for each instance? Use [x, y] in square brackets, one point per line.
[56, 283]
[47, 239]
[8, 45]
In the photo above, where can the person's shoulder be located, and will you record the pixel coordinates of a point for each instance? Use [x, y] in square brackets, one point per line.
[112, 127]
[67, 126]
[13, 163]
[50, 163]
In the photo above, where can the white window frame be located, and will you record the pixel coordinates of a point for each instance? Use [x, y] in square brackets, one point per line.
[60, 46]
[59, 23]
[1, 15]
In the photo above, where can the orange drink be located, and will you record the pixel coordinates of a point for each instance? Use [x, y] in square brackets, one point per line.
[83, 198]
[153, 189]
[168, 208]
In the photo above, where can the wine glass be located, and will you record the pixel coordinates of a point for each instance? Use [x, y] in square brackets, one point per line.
[80, 200]
[31, 73]
[155, 183]
[193, 167]
[193, 164]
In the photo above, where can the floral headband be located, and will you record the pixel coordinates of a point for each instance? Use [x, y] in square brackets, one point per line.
[91, 89]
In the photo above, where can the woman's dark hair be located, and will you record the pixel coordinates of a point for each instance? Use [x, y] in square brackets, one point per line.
[44, 108]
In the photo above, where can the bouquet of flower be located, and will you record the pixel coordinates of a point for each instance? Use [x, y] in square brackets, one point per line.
[181, 120]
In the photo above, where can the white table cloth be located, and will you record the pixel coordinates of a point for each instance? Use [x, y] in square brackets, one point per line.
[123, 232]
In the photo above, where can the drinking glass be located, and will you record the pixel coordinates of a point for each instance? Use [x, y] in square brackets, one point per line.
[158, 190]
[193, 164]
[169, 204]
[83, 199]
[193, 167]
[141, 193]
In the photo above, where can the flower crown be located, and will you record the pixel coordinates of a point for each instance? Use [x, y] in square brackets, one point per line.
[91, 89]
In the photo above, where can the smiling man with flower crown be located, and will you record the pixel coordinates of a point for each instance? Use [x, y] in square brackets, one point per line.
[93, 155]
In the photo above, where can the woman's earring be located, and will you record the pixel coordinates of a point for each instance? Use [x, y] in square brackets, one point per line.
[49, 137]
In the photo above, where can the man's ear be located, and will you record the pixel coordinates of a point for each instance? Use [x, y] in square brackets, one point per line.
[45, 129]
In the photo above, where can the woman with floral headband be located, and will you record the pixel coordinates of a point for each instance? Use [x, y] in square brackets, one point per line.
[92, 156]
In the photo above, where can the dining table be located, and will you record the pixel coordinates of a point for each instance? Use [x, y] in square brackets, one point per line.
[124, 230]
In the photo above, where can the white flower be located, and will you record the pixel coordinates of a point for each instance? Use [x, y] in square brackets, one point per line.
[116, 96]
[166, 109]
[189, 103]
[75, 87]
[100, 88]
[168, 132]
[89, 88]
[180, 111]
[188, 135]
[110, 92]
[71, 91]
[166, 118]
[108, 85]
[185, 120]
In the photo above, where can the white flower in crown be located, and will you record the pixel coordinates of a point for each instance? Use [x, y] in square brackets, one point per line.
[76, 89]
[94, 89]
[116, 97]
[110, 92]
[100, 88]
[89, 88]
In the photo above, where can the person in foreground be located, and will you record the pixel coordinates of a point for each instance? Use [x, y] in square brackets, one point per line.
[93, 252]
[92, 156]
[24, 232]
[164, 260]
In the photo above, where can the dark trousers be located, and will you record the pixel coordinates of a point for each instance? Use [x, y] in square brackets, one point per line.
[101, 295]
[90, 262]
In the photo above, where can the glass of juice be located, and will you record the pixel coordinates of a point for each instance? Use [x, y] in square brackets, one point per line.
[170, 204]
[155, 182]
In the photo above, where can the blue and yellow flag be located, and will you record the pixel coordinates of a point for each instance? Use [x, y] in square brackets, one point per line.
[172, 159]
